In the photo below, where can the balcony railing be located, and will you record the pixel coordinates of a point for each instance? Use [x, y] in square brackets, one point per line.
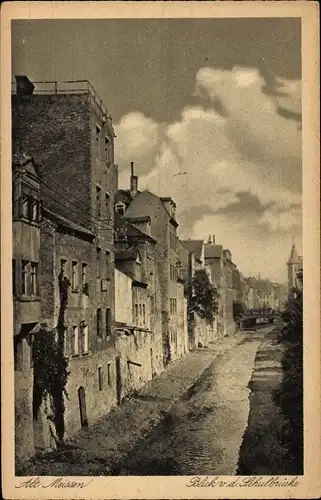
[67, 87]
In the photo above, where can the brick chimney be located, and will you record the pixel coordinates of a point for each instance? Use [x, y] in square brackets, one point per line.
[24, 85]
[133, 181]
[213, 239]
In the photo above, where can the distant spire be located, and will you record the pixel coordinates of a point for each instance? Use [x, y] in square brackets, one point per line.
[293, 255]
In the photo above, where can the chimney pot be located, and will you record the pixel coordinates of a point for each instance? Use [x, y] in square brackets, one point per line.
[132, 168]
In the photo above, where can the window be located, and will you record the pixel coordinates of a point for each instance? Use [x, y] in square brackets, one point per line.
[83, 275]
[24, 277]
[100, 378]
[75, 340]
[140, 313]
[107, 145]
[34, 278]
[63, 266]
[152, 304]
[30, 208]
[35, 210]
[120, 208]
[109, 374]
[25, 206]
[98, 201]
[98, 326]
[136, 314]
[98, 140]
[18, 354]
[108, 322]
[107, 204]
[84, 332]
[74, 276]
[144, 315]
[107, 265]
[98, 263]
[13, 277]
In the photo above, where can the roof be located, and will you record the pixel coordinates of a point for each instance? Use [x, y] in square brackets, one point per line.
[213, 251]
[62, 221]
[142, 218]
[21, 159]
[123, 226]
[123, 195]
[195, 247]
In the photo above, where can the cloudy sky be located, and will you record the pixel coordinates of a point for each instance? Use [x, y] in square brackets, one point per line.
[209, 110]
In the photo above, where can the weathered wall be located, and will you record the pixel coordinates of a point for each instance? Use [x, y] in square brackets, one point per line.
[123, 298]
[55, 130]
[139, 347]
[84, 373]
[23, 384]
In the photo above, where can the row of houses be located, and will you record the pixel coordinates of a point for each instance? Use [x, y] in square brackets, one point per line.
[105, 265]
[263, 293]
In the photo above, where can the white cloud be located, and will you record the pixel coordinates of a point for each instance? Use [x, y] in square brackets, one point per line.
[205, 159]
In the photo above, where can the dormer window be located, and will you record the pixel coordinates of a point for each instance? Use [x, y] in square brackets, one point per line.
[120, 208]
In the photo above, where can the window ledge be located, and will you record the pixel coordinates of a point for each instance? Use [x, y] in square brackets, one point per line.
[28, 298]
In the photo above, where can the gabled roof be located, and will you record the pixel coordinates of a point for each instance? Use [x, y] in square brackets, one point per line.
[141, 205]
[195, 247]
[213, 251]
[20, 159]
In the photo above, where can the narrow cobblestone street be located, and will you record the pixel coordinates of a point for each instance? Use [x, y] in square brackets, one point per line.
[190, 420]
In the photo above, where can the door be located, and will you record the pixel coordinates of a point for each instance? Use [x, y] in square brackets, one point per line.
[118, 380]
[82, 407]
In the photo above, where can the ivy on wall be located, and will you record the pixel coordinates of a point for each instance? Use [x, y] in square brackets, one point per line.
[51, 365]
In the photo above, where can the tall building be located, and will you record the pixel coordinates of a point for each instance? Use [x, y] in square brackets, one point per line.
[295, 266]
[68, 131]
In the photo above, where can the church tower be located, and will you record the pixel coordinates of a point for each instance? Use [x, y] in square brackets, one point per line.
[294, 266]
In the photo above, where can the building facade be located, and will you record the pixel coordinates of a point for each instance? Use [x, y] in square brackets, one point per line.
[26, 216]
[163, 228]
[200, 333]
[67, 127]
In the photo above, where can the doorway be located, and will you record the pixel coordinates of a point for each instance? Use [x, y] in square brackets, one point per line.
[118, 380]
[82, 407]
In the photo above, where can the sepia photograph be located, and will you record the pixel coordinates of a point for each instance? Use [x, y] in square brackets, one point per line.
[158, 262]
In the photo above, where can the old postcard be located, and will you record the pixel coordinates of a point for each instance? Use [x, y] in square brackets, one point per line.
[160, 250]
